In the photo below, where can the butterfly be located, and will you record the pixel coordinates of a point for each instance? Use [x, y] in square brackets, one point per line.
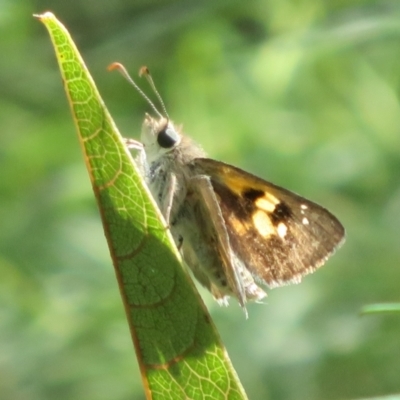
[234, 230]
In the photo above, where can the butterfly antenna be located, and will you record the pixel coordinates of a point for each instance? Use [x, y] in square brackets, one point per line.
[144, 71]
[121, 69]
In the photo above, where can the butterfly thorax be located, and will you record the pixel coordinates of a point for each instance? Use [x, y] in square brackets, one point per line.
[167, 155]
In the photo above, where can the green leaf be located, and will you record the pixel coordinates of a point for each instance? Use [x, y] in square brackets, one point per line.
[178, 349]
[381, 308]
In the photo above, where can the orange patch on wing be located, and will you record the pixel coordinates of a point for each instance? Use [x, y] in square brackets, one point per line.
[240, 227]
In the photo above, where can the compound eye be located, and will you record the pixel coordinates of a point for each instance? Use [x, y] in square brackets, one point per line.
[167, 138]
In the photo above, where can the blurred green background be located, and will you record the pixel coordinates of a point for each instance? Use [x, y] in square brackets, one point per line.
[303, 93]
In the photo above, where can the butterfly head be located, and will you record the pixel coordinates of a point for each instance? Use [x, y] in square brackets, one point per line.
[159, 136]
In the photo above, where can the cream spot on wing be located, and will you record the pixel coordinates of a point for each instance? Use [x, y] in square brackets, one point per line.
[267, 202]
[305, 221]
[303, 207]
[263, 224]
[282, 230]
[271, 198]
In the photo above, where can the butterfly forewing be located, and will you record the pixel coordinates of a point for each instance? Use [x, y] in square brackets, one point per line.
[278, 235]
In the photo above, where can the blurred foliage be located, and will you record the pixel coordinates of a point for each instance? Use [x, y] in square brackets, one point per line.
[304, 94]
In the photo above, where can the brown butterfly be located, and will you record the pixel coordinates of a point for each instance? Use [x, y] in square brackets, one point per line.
[234, 230]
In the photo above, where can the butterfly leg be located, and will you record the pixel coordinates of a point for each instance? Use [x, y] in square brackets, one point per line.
[167, 198]
[133, 144]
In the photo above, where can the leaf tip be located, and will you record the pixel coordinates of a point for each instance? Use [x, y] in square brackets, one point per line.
[45, 15]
